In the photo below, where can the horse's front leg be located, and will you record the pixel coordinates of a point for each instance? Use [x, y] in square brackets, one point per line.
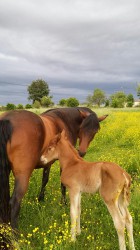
[20, 188]
[63, 191]
[45, 178]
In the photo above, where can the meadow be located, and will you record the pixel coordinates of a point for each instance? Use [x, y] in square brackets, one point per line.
[46, 225]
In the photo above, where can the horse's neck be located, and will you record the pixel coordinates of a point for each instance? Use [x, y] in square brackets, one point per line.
[67, 155]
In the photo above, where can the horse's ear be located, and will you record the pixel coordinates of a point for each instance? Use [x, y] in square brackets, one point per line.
[101, 118]
[84, 114]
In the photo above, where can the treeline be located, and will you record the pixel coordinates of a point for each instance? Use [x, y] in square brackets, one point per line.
[116, 100]
[39, 94]
[11, 106]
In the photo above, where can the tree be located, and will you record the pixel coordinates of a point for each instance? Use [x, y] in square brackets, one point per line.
[37, 89]
[118, 99]
[46, 101]
[130, 100]
[72, 102]
[97, 98]
[138, 90]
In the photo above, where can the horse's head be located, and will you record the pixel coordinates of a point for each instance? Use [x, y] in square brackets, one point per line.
[88, 129]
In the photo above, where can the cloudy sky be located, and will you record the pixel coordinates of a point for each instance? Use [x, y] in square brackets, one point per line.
[74, 45]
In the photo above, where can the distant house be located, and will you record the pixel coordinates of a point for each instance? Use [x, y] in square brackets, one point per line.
[136, 103]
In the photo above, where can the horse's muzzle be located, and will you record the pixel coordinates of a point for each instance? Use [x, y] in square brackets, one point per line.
[82, 154]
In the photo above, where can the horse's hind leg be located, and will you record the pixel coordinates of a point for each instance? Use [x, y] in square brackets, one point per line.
[45, 179]
[20, 188]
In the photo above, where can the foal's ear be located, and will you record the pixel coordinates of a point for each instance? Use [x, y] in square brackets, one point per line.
[63, 134]
[54, 141]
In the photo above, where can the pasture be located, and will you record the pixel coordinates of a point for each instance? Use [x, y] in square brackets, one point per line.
[46, 225]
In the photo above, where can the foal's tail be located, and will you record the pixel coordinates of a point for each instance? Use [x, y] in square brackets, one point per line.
[126, 189]
[5, 136]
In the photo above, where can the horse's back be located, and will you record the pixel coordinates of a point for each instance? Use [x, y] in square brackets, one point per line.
[27, 136]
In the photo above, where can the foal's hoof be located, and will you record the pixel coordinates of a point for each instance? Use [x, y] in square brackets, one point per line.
[78, 232]
[73, 239]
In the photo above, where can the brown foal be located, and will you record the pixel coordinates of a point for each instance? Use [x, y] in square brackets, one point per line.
[112, 182]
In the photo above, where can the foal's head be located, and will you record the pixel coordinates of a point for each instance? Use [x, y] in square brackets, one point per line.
[52, 151]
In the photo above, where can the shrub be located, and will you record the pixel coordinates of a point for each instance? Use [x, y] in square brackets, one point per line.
[72, 102]
[46, 101]
[130, 100]
[20, 106]
[28, 106]
[10, 106]
[63, 102]
[36, 104]
[2, 108]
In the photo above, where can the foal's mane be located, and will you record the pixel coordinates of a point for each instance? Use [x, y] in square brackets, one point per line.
[73, 149]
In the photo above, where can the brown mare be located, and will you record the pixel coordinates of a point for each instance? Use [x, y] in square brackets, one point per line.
[79, 123]
[79, 176]
[23, 138]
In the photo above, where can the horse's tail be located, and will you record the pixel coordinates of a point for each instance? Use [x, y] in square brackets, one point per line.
[5, 136]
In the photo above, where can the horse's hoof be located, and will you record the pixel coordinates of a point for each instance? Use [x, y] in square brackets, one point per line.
[63, 202]
[40, 198]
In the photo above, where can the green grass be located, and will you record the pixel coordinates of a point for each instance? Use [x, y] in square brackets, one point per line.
[46, 225]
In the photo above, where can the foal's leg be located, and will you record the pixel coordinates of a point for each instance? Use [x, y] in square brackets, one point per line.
[74, 200]
[128, 222]
[119, 222]
[129, 226]
[45, 178]
[79, 213]
[20, 188]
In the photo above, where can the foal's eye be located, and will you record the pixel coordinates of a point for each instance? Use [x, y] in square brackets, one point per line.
[51, 149]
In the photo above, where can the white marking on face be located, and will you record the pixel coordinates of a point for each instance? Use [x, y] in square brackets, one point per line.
[44, 159]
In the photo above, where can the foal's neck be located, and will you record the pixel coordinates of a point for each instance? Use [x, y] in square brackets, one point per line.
[68, 155]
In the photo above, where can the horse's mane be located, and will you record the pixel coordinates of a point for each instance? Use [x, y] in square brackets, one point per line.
[66, 114]
[90, 123]
[68, 109]
[71, 116]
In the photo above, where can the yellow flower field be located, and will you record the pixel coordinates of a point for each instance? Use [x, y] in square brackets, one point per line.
[46, 225]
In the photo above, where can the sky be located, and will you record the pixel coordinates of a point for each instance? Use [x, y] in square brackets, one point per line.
[75, 46]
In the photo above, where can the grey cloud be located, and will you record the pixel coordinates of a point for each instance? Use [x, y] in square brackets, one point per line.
[75, 42]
